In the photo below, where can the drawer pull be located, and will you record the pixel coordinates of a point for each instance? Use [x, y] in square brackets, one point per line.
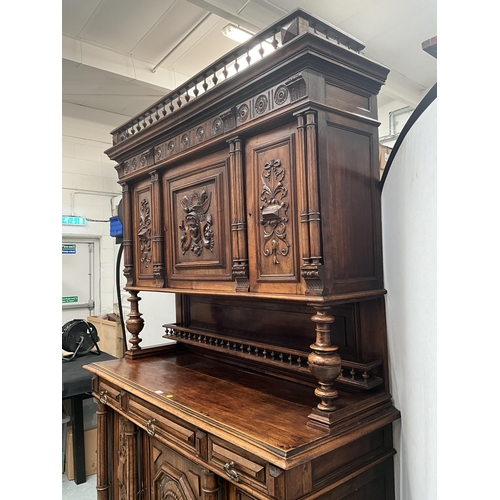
[150, 428]
[103, 397]
[231, 473]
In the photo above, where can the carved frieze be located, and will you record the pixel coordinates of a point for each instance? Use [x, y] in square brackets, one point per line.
[143, 160]
[229, 120]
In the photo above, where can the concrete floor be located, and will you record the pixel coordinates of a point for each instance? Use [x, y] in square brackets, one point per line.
[84, 491]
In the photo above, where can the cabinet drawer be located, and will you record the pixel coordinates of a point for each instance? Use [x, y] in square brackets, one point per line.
[160, 424]
[237, 464]
[110, 394]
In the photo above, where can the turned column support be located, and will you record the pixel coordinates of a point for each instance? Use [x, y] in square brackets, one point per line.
[102, 452]
[238, 218]
[310, 217]
[157, 236]
[210, 485]
[128, 259]
[134, 323]
[325, 364]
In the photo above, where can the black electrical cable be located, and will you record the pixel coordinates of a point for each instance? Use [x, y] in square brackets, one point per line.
[118, 292]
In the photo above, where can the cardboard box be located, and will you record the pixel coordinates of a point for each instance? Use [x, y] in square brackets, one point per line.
[384, 153]
[110, 335]
[90, 438]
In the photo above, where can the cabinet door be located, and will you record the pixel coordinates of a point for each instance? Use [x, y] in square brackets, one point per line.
[142, 231]
[174, 476]
[198, 224]
[273, 173]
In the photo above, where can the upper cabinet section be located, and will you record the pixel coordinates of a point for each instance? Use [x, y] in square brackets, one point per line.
[259, 175]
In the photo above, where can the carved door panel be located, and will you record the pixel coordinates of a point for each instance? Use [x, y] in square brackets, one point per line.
[174, 477]
[273, 183]
[145, 219]
[197, 215]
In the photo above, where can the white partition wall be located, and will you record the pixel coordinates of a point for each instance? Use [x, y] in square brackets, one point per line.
[89, 184]
[410, 248]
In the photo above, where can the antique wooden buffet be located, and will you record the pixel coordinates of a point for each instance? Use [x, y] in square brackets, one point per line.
[252, 193]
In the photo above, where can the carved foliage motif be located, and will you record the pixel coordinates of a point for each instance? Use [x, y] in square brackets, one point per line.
[274, 216]
[145, 232]
[196, 229]
[121, 474]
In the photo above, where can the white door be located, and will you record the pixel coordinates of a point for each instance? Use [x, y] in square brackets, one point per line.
[78, 276]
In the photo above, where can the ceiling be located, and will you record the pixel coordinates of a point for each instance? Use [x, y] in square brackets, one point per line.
[121, 56]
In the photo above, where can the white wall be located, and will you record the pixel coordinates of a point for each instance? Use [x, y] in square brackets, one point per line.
[87, 173]
[87, 176]
[409, 226]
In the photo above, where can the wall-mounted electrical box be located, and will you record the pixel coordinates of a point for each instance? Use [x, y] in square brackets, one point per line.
[115, 226]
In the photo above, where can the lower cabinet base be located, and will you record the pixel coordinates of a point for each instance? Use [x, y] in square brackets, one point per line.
[204, 440]
[142, 467]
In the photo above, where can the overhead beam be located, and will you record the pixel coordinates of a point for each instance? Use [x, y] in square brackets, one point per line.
[124, 65]
[401, 89]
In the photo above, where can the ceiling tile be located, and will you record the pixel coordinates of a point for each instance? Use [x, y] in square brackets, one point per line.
[121, 24]
[75, 15]
[170, 29]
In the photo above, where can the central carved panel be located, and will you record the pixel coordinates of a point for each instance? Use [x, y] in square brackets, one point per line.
[196, 229]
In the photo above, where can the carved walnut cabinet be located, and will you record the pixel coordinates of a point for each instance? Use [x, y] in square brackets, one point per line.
[252, 193]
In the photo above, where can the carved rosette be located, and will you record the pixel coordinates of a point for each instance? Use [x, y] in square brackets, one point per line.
[200, 133]
[274, 216]
[196, 228]
[185, 141]
[217, 126]
[144, 232]
[243, 113]
[281, 95]
[261, 104]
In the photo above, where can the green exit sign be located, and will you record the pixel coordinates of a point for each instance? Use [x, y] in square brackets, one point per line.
[69, 220]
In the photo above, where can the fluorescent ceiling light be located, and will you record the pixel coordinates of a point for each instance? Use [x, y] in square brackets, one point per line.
[236, 33]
